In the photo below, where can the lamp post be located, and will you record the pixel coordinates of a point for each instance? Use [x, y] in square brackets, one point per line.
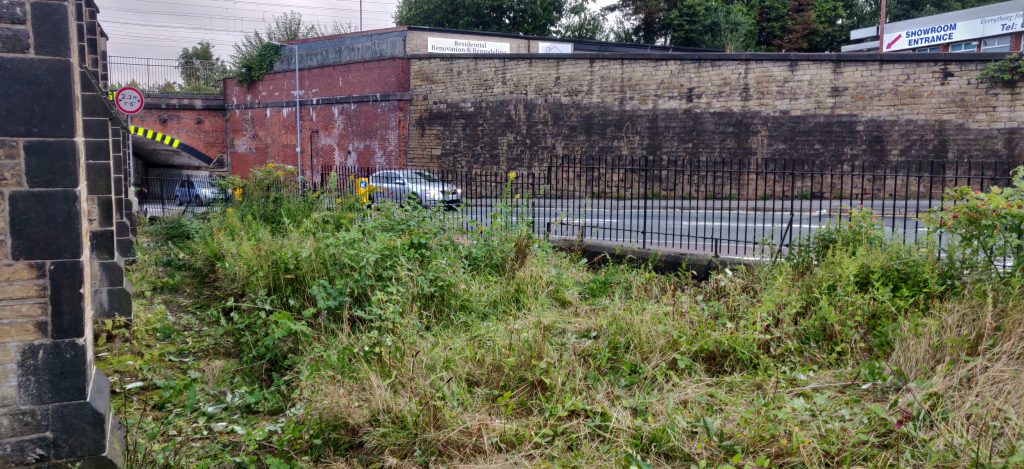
[298, 115]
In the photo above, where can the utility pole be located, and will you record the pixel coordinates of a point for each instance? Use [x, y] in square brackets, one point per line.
[882, 28]
[360, 15]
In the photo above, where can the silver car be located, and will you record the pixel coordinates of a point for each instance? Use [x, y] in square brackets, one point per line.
[414, 186]
[199, 192]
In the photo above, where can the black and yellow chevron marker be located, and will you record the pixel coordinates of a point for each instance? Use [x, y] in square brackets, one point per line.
[171, 142]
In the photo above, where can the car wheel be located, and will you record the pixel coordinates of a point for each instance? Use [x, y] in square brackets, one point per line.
[178, 201]
[198, 202]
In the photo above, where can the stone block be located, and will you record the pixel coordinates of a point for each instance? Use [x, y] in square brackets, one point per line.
[98, 150]
[96, 105]
[102, 208]
[21, 271]
[9, 353]
[47, 222]
[101, 244]
[109, 274]
[38, 98]
[97, 177]
[25, 452]
[67, 300]
[51, 164]
[22, 310]
[23, 290]
[53, 372]
[23, 331]
[8, 393]
[24, 421]
[112, 303]
[13, 40]
[10, 150]
[51, 33]
[80, 428]
[11, 175]
[13, 12]
[95, 129]
[126, 247]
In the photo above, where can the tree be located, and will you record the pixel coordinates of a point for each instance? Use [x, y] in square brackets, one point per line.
[532, 17]
[200, 70]
[799, 26]
[581, 22]
[648, 17]
[256, 54]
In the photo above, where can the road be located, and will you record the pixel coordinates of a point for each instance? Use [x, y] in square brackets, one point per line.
[728, 228]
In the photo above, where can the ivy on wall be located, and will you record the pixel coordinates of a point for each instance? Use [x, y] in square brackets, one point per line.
[1006, 71]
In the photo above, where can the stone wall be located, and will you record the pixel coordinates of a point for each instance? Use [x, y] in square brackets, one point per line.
[65, 235]
[527, 111]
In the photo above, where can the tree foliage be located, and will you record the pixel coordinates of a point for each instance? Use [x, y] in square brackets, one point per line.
[764, 25]
[201, 70]
[254, 56]
[531, 17]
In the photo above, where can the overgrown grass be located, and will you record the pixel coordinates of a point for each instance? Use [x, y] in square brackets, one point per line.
[306, 337]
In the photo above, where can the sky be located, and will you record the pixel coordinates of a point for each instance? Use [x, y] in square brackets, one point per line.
[161, 28]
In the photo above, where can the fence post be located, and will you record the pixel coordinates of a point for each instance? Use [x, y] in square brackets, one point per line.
[643, 232]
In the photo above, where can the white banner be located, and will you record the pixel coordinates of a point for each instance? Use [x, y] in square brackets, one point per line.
[440, 45]
[554, 47]
[954, 32]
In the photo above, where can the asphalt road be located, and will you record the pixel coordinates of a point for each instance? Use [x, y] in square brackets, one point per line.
[728, 228]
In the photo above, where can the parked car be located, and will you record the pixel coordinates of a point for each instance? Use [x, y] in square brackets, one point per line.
[414, 186]
[197, 193]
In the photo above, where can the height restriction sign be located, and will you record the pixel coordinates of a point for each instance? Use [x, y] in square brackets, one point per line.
[128, 100]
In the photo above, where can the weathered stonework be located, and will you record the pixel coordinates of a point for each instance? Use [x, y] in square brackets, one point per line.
[522, 112]
[56, 270]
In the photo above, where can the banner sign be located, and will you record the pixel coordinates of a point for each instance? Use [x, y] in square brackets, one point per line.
[554, 47]
[954, 32]
[439, 45]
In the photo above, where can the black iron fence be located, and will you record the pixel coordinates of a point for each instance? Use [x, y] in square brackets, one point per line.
[168, 76]
[178, 195]
[725, 207]
[745, 208]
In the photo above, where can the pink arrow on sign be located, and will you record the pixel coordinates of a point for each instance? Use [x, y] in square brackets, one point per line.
[893, 41]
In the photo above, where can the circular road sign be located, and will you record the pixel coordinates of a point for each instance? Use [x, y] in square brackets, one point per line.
[128, 100]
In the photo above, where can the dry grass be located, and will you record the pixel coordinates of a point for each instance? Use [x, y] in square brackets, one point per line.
[970, 358]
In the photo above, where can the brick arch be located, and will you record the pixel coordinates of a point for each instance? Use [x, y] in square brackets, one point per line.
[171, 142]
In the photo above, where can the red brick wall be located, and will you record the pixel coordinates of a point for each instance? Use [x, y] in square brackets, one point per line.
[372, 132]
[202, 129]
[363, 134]
[382, 76]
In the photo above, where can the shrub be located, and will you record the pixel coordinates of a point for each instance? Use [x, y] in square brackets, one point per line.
[987, 230]
[253, 65]
[1007, 71]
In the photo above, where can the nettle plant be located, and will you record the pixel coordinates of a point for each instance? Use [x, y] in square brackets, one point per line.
[1006, 71]
[987, 228]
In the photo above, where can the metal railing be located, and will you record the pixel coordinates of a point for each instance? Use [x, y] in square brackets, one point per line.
[178, 195]
[168, 76]
[748, 208]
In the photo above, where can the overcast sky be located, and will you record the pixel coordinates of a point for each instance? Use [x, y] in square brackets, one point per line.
[161, 28]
